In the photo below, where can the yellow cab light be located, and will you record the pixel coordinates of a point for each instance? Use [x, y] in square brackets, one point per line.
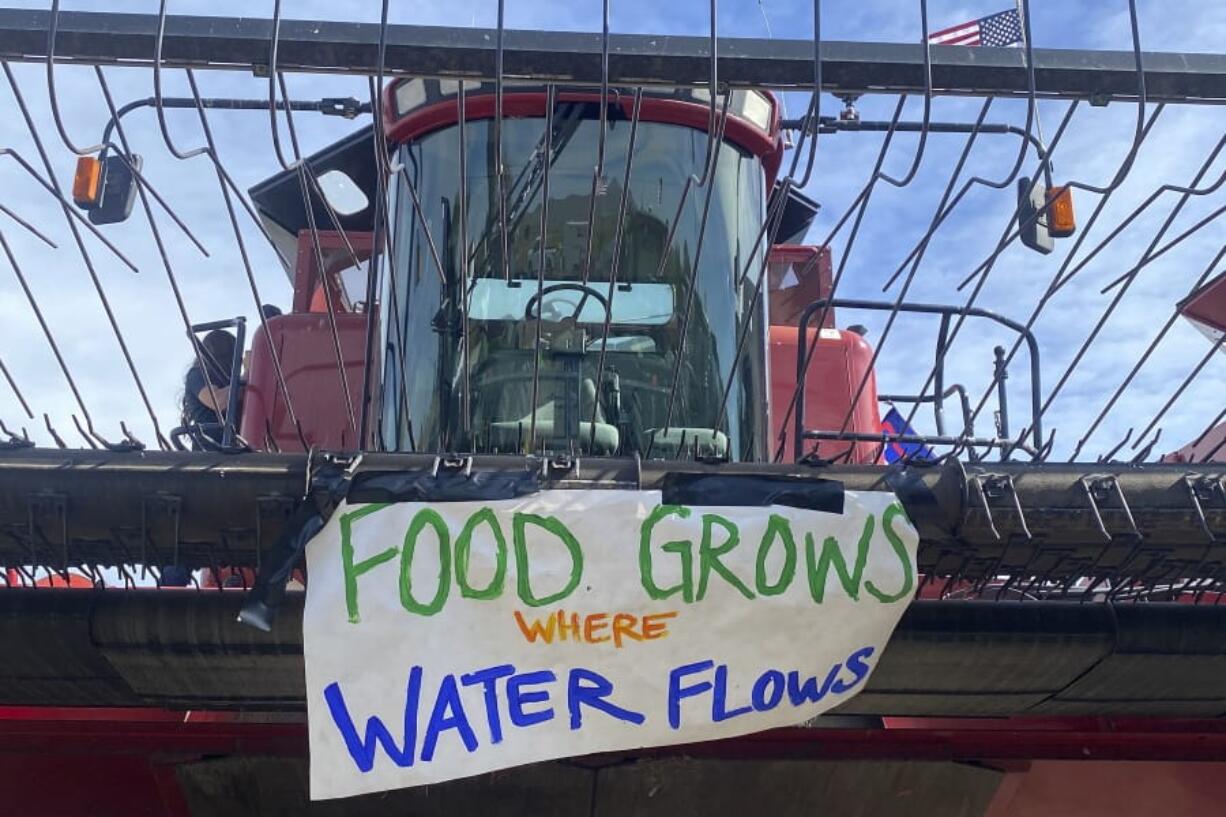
[1060, 221]
[87, 182]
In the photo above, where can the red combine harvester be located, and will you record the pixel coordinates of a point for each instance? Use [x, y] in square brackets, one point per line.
[469, 297]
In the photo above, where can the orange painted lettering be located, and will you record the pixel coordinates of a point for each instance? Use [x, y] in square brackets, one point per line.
[572, 627]
[655, 624]
[623, 625]
[536, 629]
[593, 624]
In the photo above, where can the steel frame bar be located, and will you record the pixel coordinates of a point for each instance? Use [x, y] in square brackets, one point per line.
[563, 57]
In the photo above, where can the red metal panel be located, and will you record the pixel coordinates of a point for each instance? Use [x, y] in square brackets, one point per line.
[766, 146]
[798, 276]
[308, 358]
[1207, 304]
[839, 361]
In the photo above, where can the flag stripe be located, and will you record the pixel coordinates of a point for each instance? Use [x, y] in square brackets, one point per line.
[1001, 29]
[955, 34]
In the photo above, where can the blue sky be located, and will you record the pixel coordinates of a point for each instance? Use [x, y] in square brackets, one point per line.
[1096, 142]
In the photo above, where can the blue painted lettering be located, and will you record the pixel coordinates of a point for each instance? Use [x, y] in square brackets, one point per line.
[592, 688]
[488, 677]
[768, 690]
[719, 701]
[448, 713]
[677, 692]
[362, 750]
[517, 697]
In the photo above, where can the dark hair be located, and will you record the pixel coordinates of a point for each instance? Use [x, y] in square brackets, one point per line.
[217, 354]
[270, 311]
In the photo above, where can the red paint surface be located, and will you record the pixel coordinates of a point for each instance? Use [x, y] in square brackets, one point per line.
[768, 146]
[103, 762]
[307, 351]
[1101, 789]
[838, 363]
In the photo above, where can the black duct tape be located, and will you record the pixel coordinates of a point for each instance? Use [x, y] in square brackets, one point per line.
[445, 486]
[748, 490]
[330, 486]
[907, 483]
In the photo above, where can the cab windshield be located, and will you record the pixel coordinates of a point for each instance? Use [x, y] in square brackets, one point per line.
[559, 349]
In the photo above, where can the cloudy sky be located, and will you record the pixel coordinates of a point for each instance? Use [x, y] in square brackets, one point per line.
[1091, 151]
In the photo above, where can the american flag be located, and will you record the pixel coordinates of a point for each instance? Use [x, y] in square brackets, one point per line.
[999, 30]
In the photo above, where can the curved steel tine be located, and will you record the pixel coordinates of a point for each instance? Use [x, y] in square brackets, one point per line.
[102, 147]
[550, 104]
[89, 440]
[1158, 253]
[157, 238]
[25, 435]
[58, 440]
[500, 169]
[70, 211]
[1008, 235]
[240, 243]
[21, 398]
[692, 284]
[1110, 454]
[1123, 290]
[52, 29]
[29, 227]
[944, 206]
[902, 294]
[690, 183]
[1142, 360]
[858, 206]
[923, 137]
[615, 266]
[157, 90]
[1187, 381]
[1126, 165]
[1059, 278]
[86, 258]
[272, 87]
[381, 250]
[307, 182]
[1144, 453]
[47, 333]
[774, 219]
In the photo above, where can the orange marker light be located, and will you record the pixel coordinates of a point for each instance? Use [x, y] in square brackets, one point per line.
[1060, 221]
[87, 182]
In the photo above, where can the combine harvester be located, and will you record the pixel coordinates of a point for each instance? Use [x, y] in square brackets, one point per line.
[569, 318]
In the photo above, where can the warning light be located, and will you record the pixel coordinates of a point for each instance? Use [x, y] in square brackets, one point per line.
[1060, 221]
[87, 182]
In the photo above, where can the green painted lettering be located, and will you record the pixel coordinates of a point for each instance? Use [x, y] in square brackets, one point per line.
[900, 550]
[682, 547]
[778, 529]
[708, 556]
[523, 573]
[463, 549]
[425, 517]
[833, 555]
[352, 569]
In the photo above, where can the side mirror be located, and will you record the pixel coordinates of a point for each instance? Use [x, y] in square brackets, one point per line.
[105, 187]
[1032, 215]
[1044, 214]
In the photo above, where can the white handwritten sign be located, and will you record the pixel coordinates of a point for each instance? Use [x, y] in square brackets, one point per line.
[448, 639]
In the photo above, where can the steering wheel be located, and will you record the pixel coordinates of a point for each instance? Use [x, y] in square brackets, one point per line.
[536, 299]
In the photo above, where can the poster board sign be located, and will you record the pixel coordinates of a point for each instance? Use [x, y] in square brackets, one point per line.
[447, 639]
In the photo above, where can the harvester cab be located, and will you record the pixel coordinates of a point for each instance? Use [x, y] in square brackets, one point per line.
[617, 339]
